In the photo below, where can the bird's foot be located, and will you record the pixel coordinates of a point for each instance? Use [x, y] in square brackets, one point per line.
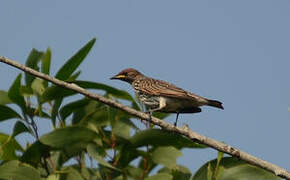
[175, 123]
[185, 127]
[146, 122]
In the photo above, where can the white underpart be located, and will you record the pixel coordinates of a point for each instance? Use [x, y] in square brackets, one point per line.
[162, 102]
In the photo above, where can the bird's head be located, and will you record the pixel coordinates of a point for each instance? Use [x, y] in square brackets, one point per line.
[127, 75]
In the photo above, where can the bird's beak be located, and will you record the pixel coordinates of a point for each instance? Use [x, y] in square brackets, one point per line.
[121, 76]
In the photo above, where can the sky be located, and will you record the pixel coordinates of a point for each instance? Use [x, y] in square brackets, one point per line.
[233, 51]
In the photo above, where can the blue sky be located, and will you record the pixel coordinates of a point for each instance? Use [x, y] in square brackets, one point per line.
[233, 51]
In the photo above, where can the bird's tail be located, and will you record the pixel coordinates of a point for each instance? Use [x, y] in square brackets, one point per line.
[215, 103]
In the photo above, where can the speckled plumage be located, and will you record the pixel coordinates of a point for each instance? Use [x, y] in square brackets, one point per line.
[158, 95]
[151, 92]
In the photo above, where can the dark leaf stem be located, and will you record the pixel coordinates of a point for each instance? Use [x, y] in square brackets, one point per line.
[34, 127]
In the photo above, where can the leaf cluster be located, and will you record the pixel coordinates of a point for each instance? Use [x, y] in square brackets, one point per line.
[91, 140]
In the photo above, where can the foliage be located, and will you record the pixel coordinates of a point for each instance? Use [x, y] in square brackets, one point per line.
[90, 140]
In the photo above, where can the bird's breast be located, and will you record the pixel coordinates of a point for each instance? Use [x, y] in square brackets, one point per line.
[150, 101]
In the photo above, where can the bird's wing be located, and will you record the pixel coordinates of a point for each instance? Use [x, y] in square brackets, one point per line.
[162, 88]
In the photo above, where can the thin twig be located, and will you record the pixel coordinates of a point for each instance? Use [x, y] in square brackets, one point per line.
[164, 125]
[51, 164]
[145, 168]
[45, 165]
[34, 126]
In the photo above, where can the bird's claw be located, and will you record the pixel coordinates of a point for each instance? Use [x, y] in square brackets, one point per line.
[147, 122]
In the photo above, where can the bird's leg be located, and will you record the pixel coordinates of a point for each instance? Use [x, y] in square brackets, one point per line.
[150, 118]
[148, 111]
[145, 122]
[177, 114]
[149, 114]
[161, 105]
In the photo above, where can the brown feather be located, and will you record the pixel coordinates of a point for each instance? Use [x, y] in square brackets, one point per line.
[163, 88]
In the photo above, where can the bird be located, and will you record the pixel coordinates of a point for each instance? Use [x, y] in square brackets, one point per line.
[162, 96]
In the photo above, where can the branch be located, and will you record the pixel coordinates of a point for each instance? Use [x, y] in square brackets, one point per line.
[185, 131]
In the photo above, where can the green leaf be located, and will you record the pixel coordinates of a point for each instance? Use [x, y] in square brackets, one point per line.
[70, 140]
[19, 128]
[158, 137]
[160, 176]
[68, 136]
[217, 168]
[82, 114]
[74, 76]
[180, 172]
[8, 147]
[45, 65]
[4, 99]
[14, 94]
[127, 155]
[209, 172]
[8, 113]
[53, 177]
[91, 149]
[67, 109]
[134, 172]
[55, 108]
[58, 158]
[38, 86]
[121, 177]
[121, 129]
[124, 118]
[26, 91]
[97, 118]
[166, 156]
[234, 169]
[72, 64]
[56, 92]
[46, 60]
[32, 61]
[18, 171]
[72, 174]
[33, 154]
